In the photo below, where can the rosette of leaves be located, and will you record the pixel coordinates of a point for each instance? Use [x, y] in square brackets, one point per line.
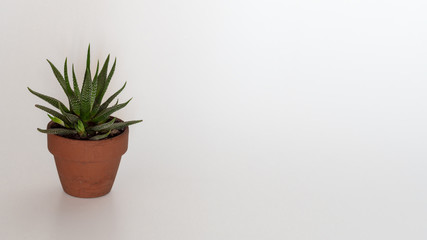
[87, 116]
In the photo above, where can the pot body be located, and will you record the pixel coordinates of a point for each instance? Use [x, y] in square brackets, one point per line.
[87, 168]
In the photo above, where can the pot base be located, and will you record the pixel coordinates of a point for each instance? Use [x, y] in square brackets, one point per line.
[87, 179]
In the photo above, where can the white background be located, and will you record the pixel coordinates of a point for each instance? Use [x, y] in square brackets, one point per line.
[262, 119]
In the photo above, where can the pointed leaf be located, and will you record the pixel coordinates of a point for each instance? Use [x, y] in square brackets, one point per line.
[123, 124]
[72, 98]
[85, 106]
[54, 113]
[80, 128]
[102, 78]
[58, 131]
[67, 82]
[87, 73]
[56, 120]
[110, 75]
[53, 101]
[94, 85]
[88, 57]
[105, 114]
[60, 79]
[70, 117]
[110, 99]
[76, 85]
[104, 126]
[99, 137]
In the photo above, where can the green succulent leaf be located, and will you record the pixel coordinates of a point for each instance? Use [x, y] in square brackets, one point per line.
[53, 101]
[104, 126]
[121, 125]
[86, 92]
[85, 106]
[75, 105]
[110, 99]
[110, 75]
[88, 116]
[58, 131]
[70, 117]
[87, 61]
[72, 97]
[67, 82]
[101, 136]
[76, 85]
[105, 114]
[66, 87]
[80, 128]
[88, 57]
[54, 113]
[94, 86]
[102, 78]
[56, 120]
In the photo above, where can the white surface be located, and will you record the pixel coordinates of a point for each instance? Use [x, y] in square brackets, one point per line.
[262, 119]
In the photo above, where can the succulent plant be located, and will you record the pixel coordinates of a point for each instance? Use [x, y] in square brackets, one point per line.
[87, 116]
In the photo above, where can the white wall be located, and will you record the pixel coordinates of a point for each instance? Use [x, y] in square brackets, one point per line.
[262, 119]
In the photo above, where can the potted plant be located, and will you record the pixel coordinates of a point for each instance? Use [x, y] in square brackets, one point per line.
[86, 141]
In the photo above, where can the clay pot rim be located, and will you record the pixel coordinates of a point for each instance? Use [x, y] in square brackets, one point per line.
[87, 140]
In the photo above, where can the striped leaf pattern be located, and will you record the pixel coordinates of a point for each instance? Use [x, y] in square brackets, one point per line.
[87, 115]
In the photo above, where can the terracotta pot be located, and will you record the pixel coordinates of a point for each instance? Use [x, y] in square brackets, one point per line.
[87, 168]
